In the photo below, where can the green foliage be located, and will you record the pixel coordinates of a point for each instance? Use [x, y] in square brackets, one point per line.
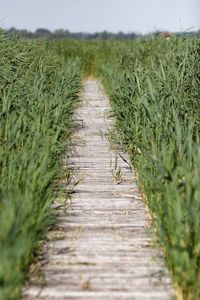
[90, 53]
[37, 98]
[154, 88]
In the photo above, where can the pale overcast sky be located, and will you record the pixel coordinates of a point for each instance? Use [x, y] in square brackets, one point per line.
[97, 15]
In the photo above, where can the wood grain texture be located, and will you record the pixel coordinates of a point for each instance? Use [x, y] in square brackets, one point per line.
[103, 248]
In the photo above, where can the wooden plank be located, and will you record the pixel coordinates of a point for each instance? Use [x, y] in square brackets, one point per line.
[103, 247]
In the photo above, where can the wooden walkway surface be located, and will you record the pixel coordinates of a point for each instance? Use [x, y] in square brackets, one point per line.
[104, 248]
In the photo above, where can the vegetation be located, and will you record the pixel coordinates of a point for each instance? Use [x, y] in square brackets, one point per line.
[38, 94]
[154, 90]
[43, 33]
[154, 87]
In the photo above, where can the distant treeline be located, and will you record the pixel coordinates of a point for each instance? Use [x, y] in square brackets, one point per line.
[43, 33]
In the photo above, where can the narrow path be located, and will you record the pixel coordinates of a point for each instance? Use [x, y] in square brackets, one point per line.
[105, 248]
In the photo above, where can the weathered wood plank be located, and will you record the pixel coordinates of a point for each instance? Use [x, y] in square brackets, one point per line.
[103, 247]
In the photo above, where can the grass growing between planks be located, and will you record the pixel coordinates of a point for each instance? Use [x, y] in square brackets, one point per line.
[37, 97]
[154, 87]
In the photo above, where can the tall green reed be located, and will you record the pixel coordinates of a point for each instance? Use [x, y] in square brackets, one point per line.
[154, 91]
[154, 85]
[38, 94]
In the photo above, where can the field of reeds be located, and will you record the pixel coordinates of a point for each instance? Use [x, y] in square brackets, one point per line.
[38, 93]
[154, 88]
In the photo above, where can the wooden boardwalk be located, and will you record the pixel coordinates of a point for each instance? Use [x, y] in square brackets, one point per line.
[104, 247]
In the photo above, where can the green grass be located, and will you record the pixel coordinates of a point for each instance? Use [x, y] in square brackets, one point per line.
[38, 94]
[154, 87]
